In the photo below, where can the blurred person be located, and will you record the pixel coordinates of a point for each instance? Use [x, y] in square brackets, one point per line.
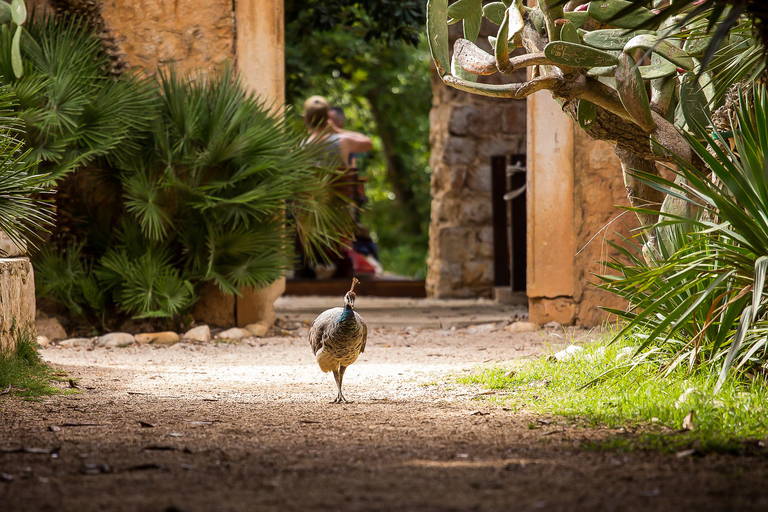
[337, 117]
[340, 143]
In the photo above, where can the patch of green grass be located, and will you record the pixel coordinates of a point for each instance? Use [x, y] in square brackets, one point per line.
[603, 386]
[26, 372]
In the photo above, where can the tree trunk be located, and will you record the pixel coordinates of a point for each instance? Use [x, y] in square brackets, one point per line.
[397, 173]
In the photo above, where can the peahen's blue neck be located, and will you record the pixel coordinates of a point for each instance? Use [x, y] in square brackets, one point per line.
[348, 312]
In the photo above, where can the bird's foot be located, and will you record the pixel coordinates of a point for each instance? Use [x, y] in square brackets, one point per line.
[342, 400]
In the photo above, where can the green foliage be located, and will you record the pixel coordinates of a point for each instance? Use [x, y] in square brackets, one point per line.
[385, 91]
[388, 21]
[73, 111]
[596, 388]
[68, 278]
[163, 185]
[21, 216]
[702, 301]
[25, 371]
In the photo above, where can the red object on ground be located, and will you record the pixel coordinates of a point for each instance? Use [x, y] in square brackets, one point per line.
[360, 263]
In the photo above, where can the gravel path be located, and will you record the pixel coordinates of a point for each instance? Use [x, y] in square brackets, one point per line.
[248, 426]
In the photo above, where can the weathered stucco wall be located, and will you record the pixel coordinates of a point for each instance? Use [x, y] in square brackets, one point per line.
[191, 34]
[466, 131]
[574, 186]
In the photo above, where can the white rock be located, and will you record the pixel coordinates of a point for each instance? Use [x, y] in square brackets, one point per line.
[481, 329]
[77, 343]
[43, 341]
[520, 327]
[553, 325]
[257, 329]
[199, 333]
[115, 340]
[234, 333]
[568, 353]
[625, 352]
[683, 398]
[50, 328]
[597, 355]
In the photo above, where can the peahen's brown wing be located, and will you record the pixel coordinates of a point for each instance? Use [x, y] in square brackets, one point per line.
[364, 333]
[321, 328]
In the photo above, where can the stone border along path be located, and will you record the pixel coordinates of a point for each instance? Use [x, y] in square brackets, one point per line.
[296, 312]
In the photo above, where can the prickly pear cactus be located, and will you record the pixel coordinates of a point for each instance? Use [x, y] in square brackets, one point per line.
[608, 62]
[647, 70]
[12, 17]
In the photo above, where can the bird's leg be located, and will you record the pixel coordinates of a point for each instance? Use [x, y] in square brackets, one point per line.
[337, 376]
[341, 377]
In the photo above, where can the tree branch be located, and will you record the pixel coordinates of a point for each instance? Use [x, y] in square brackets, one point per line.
[479, 62]
[517, 91]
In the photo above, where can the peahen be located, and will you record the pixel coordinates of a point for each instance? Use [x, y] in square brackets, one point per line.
[337, 337]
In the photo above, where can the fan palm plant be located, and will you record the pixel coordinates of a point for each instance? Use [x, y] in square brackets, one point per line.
[73, 111]
[704, 299]
[21, 216]
[219, 179]
[215, 193]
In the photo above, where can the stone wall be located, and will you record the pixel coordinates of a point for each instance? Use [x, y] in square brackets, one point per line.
[193, 35]
[466, 131]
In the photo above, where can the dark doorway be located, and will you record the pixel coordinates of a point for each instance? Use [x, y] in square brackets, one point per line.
[508, 182]
[518, 221]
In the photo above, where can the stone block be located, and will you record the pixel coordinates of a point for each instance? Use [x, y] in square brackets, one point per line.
[484, 237]
[257, 305]
[234, 333]
[463, 120]
[457, 178]
[77, 343]
[50, 328]
[199, 333]
[258, 329]
[479, 180]
[9, 249]
[453, 244]
[157, 338]
[115, 340]
[514, 118]
[459, 151]
[214, 307]
[520, 327]
[478, 273]
[496, 146]
[477, 210]
[17, 300]
[542, 310]
[442, 278]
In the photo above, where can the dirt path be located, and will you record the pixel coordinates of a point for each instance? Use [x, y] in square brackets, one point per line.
[249, 427]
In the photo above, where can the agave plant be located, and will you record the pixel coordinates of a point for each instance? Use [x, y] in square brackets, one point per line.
[704, 299]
